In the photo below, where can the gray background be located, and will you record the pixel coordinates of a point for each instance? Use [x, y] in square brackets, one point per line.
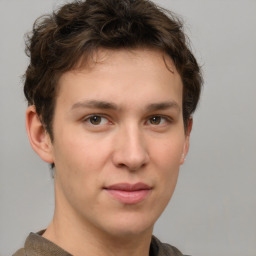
[213, 211]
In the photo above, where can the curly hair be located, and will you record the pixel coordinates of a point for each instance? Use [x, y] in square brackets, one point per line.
[78, 29]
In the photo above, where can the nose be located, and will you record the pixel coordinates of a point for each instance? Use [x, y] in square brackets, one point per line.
[130, 149]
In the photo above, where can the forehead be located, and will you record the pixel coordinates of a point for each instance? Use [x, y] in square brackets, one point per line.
[139, 73]
[146, 57]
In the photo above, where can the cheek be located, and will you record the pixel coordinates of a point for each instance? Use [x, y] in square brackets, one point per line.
[77, 171]
[80, 152]
[168, 152]
[79, 162]
[166, 158]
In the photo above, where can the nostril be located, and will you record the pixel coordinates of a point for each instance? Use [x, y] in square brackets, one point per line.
[131, 164]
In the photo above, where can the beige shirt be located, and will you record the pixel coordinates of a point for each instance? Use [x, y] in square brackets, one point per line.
[36, 245]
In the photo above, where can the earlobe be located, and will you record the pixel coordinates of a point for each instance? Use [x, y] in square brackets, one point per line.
[39, 138]
[186, 144]
[183, 157]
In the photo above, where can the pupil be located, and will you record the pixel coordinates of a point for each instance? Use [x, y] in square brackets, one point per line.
[95, 120]
[155, 120]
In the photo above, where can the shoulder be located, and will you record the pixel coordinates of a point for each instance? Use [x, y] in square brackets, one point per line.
[20, 252]
[163, 249]
[37, 245]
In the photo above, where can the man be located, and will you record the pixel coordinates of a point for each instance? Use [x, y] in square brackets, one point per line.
[111, 88]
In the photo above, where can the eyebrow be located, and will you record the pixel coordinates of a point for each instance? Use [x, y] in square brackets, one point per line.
[95, 104]
[163, 106]
[112, 106]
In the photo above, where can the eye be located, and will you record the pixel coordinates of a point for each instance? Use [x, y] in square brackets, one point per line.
[157, 120]
[96, 120]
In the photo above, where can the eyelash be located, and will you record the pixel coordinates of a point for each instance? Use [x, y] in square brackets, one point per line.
[167, 119]
[88, 119]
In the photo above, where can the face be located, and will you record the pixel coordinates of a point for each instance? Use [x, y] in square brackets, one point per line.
[119, 141]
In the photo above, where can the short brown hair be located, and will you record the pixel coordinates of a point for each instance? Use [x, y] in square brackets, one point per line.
[79, 28]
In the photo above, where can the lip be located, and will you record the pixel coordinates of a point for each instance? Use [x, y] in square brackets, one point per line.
[127, 193]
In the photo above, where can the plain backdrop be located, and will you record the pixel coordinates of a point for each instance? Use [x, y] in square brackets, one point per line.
[213, 210]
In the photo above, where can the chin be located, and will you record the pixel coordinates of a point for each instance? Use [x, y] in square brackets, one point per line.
[130, 233]
[126, 227]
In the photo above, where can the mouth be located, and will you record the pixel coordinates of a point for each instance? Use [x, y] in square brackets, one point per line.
[129, 193]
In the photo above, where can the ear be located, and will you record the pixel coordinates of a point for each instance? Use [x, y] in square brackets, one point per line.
[38, 136]
[186, 144]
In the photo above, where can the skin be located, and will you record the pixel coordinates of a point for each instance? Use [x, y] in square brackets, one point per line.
[117, 120]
